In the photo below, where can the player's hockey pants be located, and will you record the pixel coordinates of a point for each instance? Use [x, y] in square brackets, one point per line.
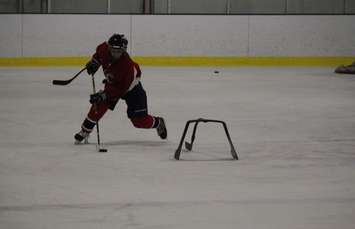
[137, 110]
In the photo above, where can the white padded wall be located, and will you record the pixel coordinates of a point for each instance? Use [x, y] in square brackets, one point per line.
[10, 35]
[302, 36]
[189, 35]
[69, 35]
[179, 35]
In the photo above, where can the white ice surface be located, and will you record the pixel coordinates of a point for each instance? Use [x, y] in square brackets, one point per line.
[294, 129]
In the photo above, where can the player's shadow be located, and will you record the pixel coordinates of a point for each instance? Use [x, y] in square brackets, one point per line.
[136, 143]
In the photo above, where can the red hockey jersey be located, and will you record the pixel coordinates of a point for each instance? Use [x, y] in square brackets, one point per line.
[121, 75]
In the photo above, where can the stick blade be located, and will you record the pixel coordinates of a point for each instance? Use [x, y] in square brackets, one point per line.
[60, 82]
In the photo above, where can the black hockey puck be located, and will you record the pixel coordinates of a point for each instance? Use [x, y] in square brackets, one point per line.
[216, 72]
[102, 150]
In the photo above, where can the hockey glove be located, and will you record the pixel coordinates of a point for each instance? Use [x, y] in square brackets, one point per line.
[92, 66]
[97, 97]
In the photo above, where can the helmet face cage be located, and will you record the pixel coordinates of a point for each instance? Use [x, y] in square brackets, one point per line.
[116, 52]
[117, 45]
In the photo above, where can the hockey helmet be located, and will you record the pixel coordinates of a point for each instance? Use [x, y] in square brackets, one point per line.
[117, 45]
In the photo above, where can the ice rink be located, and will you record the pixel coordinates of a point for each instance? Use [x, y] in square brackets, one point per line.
[294, 130]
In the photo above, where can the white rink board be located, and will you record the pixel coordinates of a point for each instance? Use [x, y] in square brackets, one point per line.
[69, 35]
[190, 36]
[179, 35]
[302, 35]
[10, 36]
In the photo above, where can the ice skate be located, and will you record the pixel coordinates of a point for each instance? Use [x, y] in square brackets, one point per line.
[161, 128]
[346, 69]
[81, 137]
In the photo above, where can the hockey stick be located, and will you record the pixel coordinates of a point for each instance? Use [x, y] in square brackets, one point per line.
[98, 145]
[66, 82]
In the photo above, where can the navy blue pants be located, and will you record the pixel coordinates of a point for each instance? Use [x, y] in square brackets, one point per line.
[136, 101]
[137, 110]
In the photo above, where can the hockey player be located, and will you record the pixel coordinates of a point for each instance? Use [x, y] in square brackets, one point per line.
[122, 81]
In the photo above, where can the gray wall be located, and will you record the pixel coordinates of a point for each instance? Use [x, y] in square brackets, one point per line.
[262, 6]
[258, 6]
[9, 6]
[78, 6]
[317, 6]
[198, 6]
[126, 7]
[180, 6]
[350, 7]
